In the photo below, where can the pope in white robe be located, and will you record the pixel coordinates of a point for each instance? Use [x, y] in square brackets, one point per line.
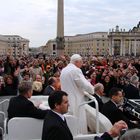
[74, 84]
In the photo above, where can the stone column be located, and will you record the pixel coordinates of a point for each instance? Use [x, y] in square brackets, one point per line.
[121, 48]
[110, 47]
[60, 28]
[135, 47]
[129, 51]
[113, 47]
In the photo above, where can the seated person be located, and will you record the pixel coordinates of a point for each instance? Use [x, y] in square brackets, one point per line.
[52, 85]
[131, 90]
[38, 85]
[112, 111]
[99, 92]
[20, 106]
[11, 85]
[1, 86]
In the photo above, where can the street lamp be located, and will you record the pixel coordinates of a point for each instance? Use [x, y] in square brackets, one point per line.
[14, 46]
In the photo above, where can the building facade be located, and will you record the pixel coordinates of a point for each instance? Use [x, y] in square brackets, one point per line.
[84, 44]
[123, 42]
[13, 45]
[115, 42]
[50, 49]
[87, 44]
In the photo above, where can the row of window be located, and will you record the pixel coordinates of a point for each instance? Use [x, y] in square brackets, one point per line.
[88, 49]
[13, 38]
[87, 37]
[79, 41]
[84, 45]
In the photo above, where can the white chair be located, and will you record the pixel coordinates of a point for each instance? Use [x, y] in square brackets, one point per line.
[4, 105]
[2, 125]
[104, 123]
[24, 128]
[73, 125]
[39, 99]
[85, 137]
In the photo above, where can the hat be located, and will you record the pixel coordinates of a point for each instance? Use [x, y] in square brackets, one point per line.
[75, 57]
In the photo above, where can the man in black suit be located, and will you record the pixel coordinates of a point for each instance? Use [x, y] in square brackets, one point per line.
[131, 90]
[55, 126]
[20, 106]
[99, 92]
[52, 83]
[111, 108]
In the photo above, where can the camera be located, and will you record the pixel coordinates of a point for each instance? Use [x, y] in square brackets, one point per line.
[123, 132]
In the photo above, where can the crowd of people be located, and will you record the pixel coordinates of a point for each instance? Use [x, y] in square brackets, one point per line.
[122, 72]
[114, 78]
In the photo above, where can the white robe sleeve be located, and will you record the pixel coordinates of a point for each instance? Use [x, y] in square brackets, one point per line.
[82, 82]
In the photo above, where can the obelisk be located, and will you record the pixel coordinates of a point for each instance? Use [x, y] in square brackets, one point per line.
[60, 28]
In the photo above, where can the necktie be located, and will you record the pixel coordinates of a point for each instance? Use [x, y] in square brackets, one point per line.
[65, 122]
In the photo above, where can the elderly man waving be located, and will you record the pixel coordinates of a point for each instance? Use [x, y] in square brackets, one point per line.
[74, 83]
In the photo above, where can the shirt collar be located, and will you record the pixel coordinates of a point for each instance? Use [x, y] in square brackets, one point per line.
[60, 115]
[114, 103]
[133, 85]
[52, 87]
[98, 95]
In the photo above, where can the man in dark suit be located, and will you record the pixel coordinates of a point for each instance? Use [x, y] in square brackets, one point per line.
[131, 90]
[111, 108]
[99, 92]
[52, 84]
[55, 127]
[20, 106]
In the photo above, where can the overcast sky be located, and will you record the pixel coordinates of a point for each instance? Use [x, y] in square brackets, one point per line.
[36, 19]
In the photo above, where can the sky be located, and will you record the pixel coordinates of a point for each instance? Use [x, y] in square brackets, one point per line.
[36, 20]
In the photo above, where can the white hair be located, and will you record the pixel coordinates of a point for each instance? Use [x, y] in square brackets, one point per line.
[75, 57]
[134, 79]
[98, 86]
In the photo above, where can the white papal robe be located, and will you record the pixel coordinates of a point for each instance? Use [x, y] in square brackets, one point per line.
[74, 83]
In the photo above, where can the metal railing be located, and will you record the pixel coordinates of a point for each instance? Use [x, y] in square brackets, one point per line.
[4, 101]
[1, 133]
[4, 105]
[93, 99]
[2, 124]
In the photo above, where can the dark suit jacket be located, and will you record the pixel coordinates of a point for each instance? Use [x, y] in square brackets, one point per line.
[100, 102]
[21, 107]
[105, 136]
[131, 92]
[114, 114]
[54, 128]
[48, 90]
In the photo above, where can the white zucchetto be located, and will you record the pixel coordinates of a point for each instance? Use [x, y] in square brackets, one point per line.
[75, 57]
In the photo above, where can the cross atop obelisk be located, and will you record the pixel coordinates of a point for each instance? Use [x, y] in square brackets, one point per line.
[60, 28]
